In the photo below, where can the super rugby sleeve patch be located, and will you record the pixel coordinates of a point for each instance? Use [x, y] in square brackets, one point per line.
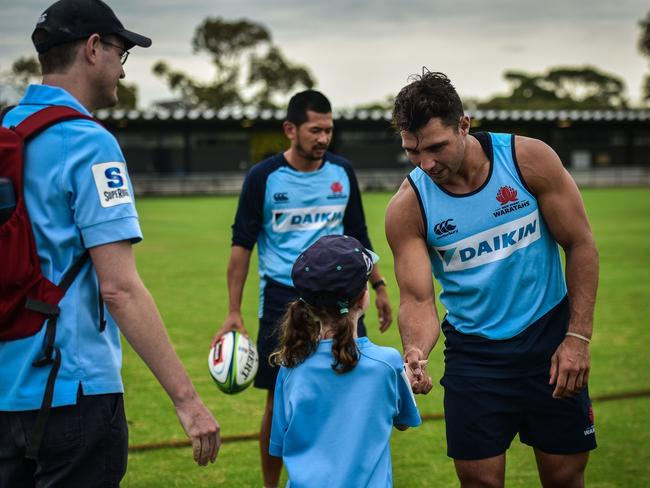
[111, 180]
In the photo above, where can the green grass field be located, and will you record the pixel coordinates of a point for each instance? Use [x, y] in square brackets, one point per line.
[183, 261]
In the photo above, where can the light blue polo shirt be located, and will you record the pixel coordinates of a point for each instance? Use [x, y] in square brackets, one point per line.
[333, 430]
[78, 195]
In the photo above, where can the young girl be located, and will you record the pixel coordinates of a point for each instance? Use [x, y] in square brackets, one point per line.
[337, 396]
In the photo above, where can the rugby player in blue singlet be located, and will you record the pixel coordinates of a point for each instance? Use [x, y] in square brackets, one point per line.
[287, 203]
[488, 211]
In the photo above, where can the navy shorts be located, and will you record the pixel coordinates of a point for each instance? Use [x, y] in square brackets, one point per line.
[83, 445]
[276, 299]
[483, 415]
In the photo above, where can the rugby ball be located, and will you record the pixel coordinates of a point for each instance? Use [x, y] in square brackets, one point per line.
[233, 362]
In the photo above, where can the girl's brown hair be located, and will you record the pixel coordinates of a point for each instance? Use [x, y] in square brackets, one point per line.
[300, 335]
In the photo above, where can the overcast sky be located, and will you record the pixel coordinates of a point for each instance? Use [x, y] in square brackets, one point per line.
[362, 51]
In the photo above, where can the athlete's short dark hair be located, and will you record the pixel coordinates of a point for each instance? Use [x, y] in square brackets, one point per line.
[306, 100]
[430, 95]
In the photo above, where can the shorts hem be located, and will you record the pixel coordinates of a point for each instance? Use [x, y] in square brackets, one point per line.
[477, 457]
[563, 450]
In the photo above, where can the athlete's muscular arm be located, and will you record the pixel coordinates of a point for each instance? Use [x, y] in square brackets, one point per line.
[136, 314]
[564, 213]
[417, 318]
[238, 264]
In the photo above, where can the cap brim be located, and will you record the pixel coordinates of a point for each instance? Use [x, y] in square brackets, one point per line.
[134, 39]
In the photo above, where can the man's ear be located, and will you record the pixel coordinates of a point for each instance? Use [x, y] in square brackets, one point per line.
[464, 125]
[289, 129]
[91, 47]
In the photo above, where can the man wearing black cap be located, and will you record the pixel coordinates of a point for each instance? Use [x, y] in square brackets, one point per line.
[80, 199]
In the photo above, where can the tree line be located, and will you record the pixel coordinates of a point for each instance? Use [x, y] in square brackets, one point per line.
[251, 71]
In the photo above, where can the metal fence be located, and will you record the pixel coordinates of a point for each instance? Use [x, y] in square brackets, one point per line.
[369, 180]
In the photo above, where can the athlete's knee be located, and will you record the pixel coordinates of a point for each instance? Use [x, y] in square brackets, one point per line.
[479, 474]
[564, 471]
[480, 480]
[564, 477]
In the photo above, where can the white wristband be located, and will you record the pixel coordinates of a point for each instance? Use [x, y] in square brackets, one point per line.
[573, 334]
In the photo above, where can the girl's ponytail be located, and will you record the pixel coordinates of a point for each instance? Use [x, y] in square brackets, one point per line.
[299, 336]
[344, 347]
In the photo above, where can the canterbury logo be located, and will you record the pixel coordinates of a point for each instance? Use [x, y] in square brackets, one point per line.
[444, 227]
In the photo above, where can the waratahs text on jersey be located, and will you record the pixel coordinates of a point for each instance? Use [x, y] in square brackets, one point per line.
[511, 208]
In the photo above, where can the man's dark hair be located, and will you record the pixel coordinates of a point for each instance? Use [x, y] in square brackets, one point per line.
[58, 58]
[306, 100]
[430, 95]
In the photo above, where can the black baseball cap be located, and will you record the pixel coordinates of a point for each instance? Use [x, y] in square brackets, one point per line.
[69, 20]
[333, 272]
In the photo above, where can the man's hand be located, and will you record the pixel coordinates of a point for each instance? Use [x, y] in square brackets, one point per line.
[384, 310]
[416, 371]
[570, 367]
[234, 321]
[202, 429]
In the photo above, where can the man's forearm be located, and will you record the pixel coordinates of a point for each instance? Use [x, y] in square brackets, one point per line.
[582, 283]
[238, 265]
[375, 275]
[419, 326]
[138, 318]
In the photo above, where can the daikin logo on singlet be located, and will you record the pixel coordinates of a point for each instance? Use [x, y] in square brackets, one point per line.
[490, 245]
[307, 218]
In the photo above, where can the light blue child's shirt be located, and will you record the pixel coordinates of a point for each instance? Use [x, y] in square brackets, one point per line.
[333, 430]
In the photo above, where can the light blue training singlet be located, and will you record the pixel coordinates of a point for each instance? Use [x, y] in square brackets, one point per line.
[491, 251]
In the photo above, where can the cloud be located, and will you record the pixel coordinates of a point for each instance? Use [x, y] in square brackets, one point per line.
[361, 51]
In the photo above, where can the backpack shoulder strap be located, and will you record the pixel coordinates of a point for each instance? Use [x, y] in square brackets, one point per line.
[41, 120]
[5, 111]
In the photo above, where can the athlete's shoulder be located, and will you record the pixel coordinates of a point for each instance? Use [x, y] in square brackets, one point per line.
[267, 166]
[538, 162]
[271, 162]
[494, 138]
[405, 202]
[338, 160]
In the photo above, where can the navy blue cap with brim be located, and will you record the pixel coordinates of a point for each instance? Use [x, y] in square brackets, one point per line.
[71, 20]
[333, 272]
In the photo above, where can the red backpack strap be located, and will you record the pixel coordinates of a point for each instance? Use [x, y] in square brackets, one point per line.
[41, 120]
[5, 111]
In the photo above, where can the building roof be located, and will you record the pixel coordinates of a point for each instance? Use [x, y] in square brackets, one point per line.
[235, 114]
